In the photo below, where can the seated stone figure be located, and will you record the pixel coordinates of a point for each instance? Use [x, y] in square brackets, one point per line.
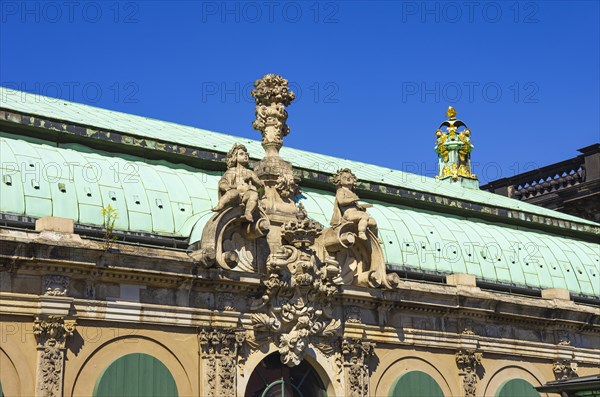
[238, 185]
[347, 207]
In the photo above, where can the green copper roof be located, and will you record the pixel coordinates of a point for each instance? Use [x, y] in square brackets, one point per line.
[170, 132]
[157, 197]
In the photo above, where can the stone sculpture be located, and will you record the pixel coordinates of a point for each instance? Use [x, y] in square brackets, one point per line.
[272, 95]
[238, 185]
[304, 264]
[347, 206]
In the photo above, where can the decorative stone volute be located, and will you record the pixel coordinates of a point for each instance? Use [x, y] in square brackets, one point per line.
[453, 146]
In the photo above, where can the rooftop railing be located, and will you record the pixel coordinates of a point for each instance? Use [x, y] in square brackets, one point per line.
[549, 179]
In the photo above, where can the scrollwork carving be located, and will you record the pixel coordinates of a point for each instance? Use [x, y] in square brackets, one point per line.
[231, 243]
[231, 237]
[296, 305]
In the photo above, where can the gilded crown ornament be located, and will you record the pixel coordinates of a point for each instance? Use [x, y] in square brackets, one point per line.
[454, 147]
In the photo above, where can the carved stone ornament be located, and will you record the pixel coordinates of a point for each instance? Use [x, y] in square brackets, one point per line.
[352, 238]
[239, 185]
[295, 307]
[272, 95]
[302, 265]
[56, 285]
[353, 315]
[221, 355]
[467, 362]
[565, 369]
[230, 238]
[51, 334]
[232, 243]
[355, 362]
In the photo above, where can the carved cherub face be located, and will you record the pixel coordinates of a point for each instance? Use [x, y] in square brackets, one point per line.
[347, 180]
[242, 156]
[238, 154]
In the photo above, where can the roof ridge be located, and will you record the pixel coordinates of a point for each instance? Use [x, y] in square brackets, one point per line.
[96, 108]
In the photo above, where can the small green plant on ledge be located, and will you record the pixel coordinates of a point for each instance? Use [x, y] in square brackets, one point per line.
[109, 216]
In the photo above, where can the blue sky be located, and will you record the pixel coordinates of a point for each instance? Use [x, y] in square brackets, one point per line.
[373, 79]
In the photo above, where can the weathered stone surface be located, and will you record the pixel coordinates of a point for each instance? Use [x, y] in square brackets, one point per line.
[556, 293]
[467, 280]
[55, 224]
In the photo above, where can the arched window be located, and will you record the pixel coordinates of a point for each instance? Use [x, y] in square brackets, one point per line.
[136, 375]
[416, 384]
[517, 388]
[272, 378]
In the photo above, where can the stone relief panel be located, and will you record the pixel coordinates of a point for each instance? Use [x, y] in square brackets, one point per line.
[355, 363]
[55, 285]
[51, 334]
[468, 362]
[221, 353]
[565, 369]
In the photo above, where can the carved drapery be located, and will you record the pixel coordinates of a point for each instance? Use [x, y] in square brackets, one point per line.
[355, 363]
[51, 334]
[467, 362]
[221, 355]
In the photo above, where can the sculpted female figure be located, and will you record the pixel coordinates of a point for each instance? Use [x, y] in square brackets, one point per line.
[347, 206]
[238, 185]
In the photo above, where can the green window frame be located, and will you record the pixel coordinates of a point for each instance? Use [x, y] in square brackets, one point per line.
[136, 375]
[416, 384]
[517, 388]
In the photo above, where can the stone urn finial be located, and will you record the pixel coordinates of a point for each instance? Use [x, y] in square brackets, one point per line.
[272, 95]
